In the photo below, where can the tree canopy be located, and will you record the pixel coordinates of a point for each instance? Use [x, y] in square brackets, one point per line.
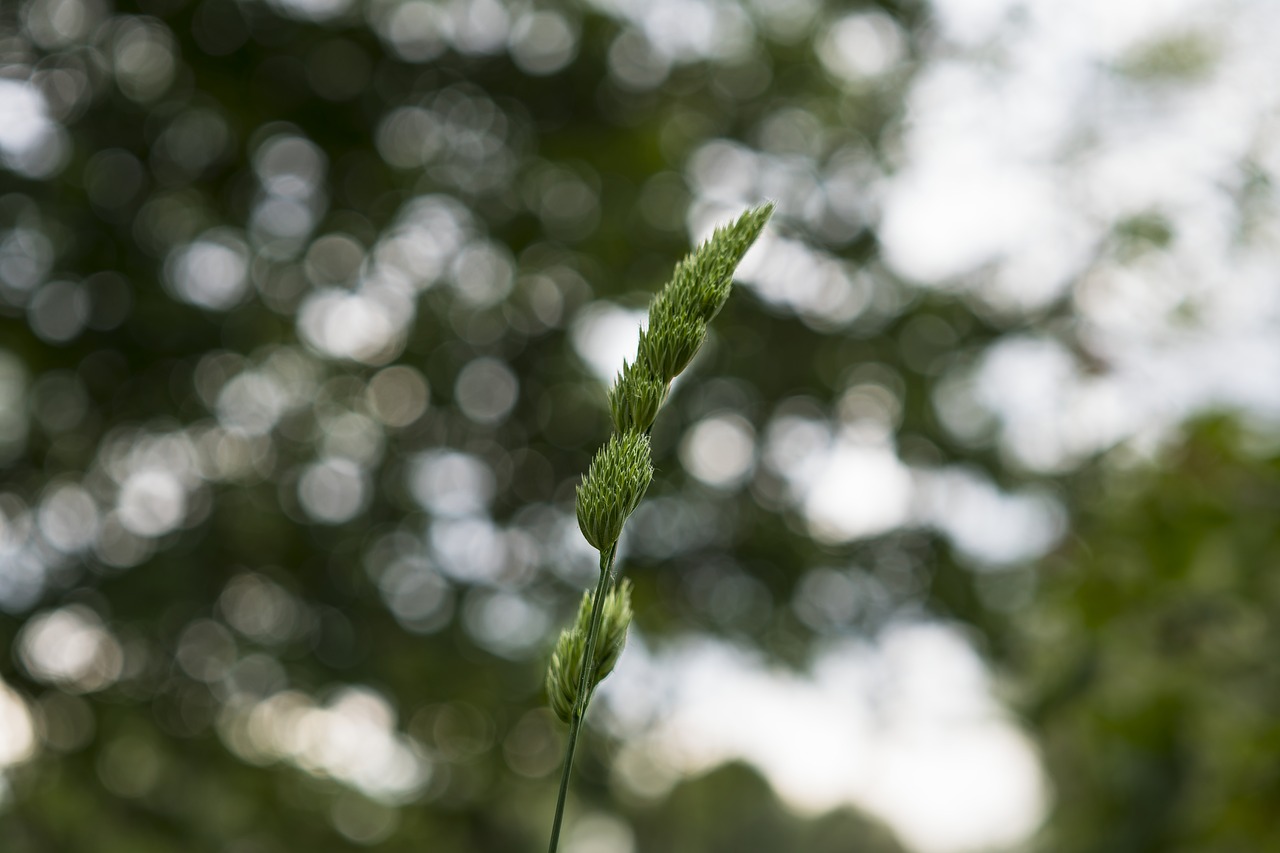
[308, 309]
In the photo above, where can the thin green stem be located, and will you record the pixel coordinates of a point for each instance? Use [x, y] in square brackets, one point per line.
[584, 688]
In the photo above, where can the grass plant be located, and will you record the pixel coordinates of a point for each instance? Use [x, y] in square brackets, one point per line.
[622, 469]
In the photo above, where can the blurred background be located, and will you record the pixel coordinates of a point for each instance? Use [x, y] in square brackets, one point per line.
[964, 533]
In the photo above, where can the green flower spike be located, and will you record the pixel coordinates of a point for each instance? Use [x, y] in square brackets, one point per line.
[622, 469]
[635, 398]
[613, 487]
[565, 673]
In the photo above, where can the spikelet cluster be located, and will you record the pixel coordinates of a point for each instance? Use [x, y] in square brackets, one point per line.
[678, 318]
[702, 281]
[635, 398]
[622, 469]
[616, 481]
[564, 676]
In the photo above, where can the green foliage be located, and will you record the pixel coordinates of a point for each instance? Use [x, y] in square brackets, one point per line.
[564, 675]
[1180, 57]
[1143, 231]
[1149, 655]
[687, 821]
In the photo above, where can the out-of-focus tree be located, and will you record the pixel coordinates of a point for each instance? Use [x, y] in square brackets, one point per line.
[300, 309]
[696, 817]
[307, 309]
[1150, 644]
